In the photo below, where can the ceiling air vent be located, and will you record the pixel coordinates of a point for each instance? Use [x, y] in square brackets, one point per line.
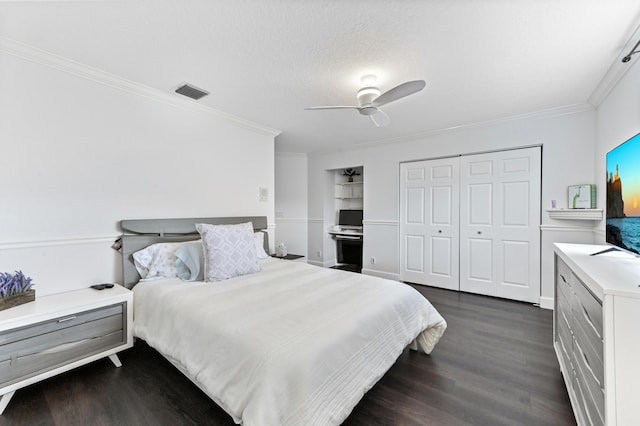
[191, 91]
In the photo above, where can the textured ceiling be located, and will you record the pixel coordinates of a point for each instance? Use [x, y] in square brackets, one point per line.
[265, 60]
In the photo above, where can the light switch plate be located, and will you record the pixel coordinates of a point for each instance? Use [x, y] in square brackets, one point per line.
[263, 194]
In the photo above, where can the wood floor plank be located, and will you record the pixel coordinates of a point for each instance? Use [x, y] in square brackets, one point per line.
[495, 365]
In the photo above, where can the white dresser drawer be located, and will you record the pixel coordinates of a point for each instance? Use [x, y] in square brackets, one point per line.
[592, 349]
[591, 308]
[591, 388]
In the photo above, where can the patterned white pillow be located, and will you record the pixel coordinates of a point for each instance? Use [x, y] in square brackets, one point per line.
[229, 250]
[157, 260]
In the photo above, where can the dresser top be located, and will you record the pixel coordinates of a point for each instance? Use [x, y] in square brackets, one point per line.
[614, 273]
[62, 304]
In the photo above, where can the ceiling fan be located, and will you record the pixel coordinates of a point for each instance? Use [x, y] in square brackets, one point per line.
[370, 99]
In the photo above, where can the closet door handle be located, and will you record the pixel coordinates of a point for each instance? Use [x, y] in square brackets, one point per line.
[439, 231]
[479, 232]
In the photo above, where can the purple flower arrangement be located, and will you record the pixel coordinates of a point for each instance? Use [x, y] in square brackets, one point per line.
[11, 284]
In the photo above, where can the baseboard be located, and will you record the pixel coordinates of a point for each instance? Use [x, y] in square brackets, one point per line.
[546, 302]
[381, 274]
[322, 264]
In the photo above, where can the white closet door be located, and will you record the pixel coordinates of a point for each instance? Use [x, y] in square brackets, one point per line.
[500, 224]
[429, 222]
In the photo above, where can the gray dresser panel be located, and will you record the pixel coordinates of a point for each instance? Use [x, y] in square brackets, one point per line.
[34, 349]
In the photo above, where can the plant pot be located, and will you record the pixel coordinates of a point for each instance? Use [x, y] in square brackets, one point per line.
[17, 299]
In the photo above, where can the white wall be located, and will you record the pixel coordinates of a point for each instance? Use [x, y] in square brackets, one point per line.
[291, 202]
[79, 154]
[568, 140]
[618, 119]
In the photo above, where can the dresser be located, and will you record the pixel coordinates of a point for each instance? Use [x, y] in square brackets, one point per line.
[596, 335]
[56, 333]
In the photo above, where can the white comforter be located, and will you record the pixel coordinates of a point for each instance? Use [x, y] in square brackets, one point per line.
[291, 345]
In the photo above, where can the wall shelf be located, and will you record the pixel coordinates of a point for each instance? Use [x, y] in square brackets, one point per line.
[349, 190]
[576, 214]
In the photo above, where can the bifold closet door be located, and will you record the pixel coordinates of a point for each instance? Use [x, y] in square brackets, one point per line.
[429, 222]
[500, 224]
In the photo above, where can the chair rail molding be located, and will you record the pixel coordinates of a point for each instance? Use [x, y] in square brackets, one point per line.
[381, 222]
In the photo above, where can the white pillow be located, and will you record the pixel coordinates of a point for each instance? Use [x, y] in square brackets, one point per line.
[157, 260]
[229, 250]
[259, 239]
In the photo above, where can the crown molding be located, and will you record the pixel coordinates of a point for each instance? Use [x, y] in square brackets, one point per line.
[547, 113]
[42, 57]
[616, 71]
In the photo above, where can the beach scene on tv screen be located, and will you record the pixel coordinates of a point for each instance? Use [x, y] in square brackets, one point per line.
[623, 195]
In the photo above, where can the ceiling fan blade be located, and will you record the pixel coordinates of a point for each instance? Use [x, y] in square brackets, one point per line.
[405, 89]
[333, 107]
[380, 119]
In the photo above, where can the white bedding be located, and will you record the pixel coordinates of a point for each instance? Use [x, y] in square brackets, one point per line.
[293, 344]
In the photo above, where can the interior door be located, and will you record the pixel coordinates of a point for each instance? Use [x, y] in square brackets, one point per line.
[429, 222]
[500, 224]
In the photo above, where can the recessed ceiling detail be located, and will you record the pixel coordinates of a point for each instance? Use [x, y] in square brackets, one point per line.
[191, 91]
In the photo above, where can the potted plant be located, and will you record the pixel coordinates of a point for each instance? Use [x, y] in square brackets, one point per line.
[350, 173]
[15, 289]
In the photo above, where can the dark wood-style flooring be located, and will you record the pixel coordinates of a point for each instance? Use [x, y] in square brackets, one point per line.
[495, 365]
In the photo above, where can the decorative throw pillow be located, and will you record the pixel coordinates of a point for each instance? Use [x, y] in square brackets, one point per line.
[190, 261]
[259, 239]
[229, 250]
[156, 260]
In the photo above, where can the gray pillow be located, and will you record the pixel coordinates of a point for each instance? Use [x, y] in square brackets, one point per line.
[190, 261]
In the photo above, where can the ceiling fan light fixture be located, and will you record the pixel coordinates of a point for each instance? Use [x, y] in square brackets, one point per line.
[368, 80]
[367, 94]
[368, 110]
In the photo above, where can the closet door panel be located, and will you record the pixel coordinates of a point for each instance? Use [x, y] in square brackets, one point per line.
[440, 258]
[471, 223]
[429, 228]
[501, 203]
[479, 261]
[415, 253]
[480, 205]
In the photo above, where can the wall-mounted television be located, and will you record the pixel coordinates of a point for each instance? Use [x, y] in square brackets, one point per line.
[623, 196]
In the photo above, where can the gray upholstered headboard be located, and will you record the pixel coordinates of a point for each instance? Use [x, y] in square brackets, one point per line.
[140, 233]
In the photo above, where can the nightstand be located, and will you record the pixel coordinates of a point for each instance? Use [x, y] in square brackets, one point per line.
[296, 257]
[59, 332]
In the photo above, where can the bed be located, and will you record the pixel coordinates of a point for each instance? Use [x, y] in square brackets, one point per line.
[291, 344]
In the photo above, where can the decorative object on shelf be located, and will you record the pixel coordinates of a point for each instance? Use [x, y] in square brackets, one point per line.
[15, 289]
[281, 250]
[350, 173]
[582, 197]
